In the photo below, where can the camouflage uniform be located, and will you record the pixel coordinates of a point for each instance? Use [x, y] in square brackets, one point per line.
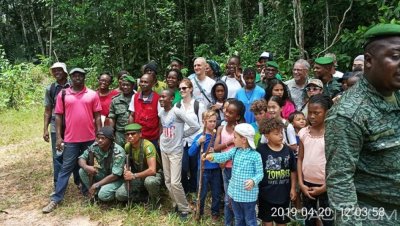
[120, 114]
[141, 186]
[332, 88]
[363, 150]
[106, 165]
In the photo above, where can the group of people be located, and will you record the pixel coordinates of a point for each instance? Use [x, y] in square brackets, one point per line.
[324, 147]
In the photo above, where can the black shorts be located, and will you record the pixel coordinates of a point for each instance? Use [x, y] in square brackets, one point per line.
[269, 212]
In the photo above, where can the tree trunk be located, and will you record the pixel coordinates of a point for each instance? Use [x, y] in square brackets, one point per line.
[298, 27]
[327, 22]
[215, 18]
[229, 20]
[37, 30]
[240, 17]
[24, 30]
[51, 31]
[260, 9]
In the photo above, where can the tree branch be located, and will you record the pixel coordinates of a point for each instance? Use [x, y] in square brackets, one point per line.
[339, 29]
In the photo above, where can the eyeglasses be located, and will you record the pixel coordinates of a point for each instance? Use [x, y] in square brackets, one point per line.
[183, 88]
[298, 69]
[313, 88]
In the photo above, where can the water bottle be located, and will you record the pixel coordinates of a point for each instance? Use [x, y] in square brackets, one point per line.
[59, 152]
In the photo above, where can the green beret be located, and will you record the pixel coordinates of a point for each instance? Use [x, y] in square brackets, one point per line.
[272, 64]
[382, 30]
[133, 127]
[324, 60]
[128, 78]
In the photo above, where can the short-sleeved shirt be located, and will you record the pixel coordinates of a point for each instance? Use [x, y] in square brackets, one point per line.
[119, 111]
[314, 157]
[106, 101]
[232, 84]
[149, 151]
[332, 88]
[116, 165]
[48, 101]
[79, 114]
[277, 166]
[248, 97]
[297, 93]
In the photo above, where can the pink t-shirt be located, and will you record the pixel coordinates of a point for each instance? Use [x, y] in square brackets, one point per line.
[225, 138]
[314, 157]
[106, 101]
[288, 109]
[79, 111]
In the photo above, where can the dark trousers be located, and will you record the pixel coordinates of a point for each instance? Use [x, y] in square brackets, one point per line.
[211, 177]
[320, 203]
[189, 171]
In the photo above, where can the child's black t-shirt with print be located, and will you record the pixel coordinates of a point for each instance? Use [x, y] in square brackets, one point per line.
[277, 167]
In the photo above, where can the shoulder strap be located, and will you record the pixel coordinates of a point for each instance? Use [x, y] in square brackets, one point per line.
[63, 124]
[52, 94]
[201, 90]
[178, 105]
[196, 109]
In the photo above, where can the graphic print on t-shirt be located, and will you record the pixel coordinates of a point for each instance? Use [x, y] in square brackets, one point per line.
[277, 169]
[168, 126]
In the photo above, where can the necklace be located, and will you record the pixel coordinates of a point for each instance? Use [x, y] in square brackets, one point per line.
[249, 97]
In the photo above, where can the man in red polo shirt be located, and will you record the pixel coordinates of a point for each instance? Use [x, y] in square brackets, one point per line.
[144, 110]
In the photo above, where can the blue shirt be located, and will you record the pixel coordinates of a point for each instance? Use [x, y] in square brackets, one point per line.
[246, 164]
[248, 97]
[195, 148]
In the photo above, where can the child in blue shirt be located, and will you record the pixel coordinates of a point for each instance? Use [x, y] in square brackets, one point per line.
[212, 172]
[247, 172]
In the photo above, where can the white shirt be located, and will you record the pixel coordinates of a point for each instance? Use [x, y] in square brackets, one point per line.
[206, 85]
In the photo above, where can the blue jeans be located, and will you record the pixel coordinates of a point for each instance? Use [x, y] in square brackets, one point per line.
[228, 213]
[211, 177]
[70, 164]
[57, 160]
[189, 165]
[245, 213]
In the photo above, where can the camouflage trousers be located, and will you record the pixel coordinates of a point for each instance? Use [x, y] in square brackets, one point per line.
[139, 189]
[120, 138]
[106, 192]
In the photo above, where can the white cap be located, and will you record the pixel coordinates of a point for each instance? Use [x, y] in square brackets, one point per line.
[359, 57]
[77, 69]
[60, 65]
[265, 55]
[247, 131]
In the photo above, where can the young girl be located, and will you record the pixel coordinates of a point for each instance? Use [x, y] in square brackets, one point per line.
[219, 93]
[173, 78]
[311, 161]
[274, 106]
[278, 187]
[212, 172]
[278, 88]
[224, 142]
[247, 172]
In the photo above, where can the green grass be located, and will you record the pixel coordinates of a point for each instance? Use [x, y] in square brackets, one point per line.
[26, 180]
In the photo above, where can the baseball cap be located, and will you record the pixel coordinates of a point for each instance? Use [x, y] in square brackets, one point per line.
[316, 82]
[77, 69]
[107, 131]
[266, 55]
[246, 130]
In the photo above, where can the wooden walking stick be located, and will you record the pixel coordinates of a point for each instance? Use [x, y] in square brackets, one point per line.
[210, 145]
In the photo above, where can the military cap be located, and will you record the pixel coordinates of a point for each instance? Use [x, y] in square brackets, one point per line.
[174, 58]
[107, 131]
[315, 82]
[382, 30]
[272, 64]
[324, 60]
[128, 78]
[77, 69]
[133, 127]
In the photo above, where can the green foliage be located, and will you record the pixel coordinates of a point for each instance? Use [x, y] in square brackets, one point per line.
[21, 85]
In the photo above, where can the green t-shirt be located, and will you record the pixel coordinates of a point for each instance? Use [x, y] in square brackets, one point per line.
[149, 151]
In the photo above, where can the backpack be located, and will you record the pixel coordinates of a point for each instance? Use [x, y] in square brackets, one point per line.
[54, 90]
[196, 108]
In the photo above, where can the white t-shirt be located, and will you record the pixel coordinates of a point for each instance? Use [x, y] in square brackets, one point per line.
[206, 84]
[232, 84]
[291, 135]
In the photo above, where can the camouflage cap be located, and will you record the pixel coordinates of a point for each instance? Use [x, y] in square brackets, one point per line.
[133, 127]
[128, 78]
[272, 64]
[315, 82]
[174, 58]
[324, 60]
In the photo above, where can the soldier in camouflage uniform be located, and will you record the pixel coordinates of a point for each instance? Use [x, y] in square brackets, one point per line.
[108, 167]
[145, 174]
[324, 69]
[363, 138]
[119, 113]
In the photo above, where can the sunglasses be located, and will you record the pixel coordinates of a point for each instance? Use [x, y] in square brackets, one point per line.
[183, 88]
[313, 88]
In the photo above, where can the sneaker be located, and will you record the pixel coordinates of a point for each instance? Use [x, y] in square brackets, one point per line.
[183, 216]
[50, 207]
